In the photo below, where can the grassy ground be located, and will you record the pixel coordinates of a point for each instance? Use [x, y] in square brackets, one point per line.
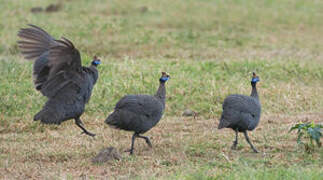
[209, 48]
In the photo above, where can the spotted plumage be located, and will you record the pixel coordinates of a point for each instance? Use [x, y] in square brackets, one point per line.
[139, 113]
[59, 75]
[242, 113]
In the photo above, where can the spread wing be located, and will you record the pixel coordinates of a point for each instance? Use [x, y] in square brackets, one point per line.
[52, 56]
[34, 42]
[63, 56]
[60, 81]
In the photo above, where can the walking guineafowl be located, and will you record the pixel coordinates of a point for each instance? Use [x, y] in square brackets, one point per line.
[139, 113]
[59, 75]
[242, 113]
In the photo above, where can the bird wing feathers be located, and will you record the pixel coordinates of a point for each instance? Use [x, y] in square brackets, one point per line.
[139, 104]
[34, 42]
[52, 56]
[62, 79]
[63, 56]
[64, 102]
[58, 74]
[242, 103]
[137, 113]
[239, 110]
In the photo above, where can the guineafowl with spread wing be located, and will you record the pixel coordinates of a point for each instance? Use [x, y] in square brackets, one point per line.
[59, 75]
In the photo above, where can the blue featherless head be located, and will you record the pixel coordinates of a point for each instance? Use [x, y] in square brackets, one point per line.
[255, 78]
[165, 77]
[96, 61]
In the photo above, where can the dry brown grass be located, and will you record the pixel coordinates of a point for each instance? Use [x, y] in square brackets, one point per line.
[179, 143]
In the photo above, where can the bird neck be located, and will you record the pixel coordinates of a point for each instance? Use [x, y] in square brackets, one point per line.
[254, 92]
[161, 92]
[93, 67]
[92, 71]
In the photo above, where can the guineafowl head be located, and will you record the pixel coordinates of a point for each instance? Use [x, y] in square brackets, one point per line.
[96, 61]
[254, 79]
[165, 77]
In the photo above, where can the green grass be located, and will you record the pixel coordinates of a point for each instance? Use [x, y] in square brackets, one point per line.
[209, 48]
[201, 86]
[251, 173]
[187, 29]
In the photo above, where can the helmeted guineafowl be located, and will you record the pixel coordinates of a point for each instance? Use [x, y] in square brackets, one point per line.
[59, 75]
[139, 113]
[242, 113]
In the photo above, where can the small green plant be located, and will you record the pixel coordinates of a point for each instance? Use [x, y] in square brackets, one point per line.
[311, 131]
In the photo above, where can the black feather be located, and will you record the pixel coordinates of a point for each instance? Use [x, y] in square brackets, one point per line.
[241, 113]
[138, 113]
[58, 75]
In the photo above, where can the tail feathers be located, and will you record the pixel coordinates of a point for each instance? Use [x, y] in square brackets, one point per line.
[223, 123]
[120, 119]
[47, 117]
[112, 120]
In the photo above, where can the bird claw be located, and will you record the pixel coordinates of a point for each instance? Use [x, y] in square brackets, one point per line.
[149, 144]
[88, 133]
[255, 151]
[234, 145]
[130, 151]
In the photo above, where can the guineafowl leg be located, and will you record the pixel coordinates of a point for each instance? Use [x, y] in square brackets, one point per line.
[146, 139]
[132, 143]
[235, 142]
[247, 138]
[79, 123]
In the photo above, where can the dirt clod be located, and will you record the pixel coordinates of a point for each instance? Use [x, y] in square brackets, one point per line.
[107, 154]
[188, 112]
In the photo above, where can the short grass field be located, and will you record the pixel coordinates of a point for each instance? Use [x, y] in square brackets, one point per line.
[209, 48]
